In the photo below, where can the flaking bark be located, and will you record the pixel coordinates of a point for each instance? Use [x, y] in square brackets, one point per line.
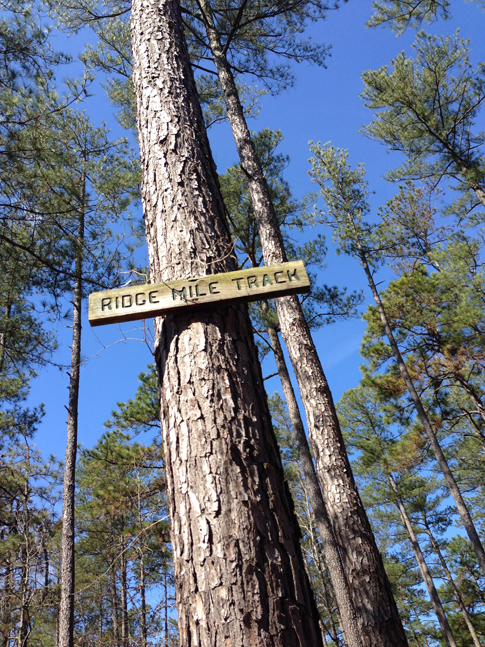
[240, 577]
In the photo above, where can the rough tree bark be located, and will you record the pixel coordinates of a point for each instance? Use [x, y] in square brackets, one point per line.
[66, 608]
[240, 576]
[423, 567]
[377, 616]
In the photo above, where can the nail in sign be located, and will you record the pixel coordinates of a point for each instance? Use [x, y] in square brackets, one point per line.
[152, 300]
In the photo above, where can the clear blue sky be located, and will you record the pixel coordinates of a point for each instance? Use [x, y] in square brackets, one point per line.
[324, 105]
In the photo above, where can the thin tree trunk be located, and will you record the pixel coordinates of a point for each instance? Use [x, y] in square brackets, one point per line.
[166, 603]
[423, 567]
[23, 629]
[3, 334]
[452, 583]
[240, 576]
[6, 602]
[66, 610]
[144, 633]
[114, 608]
[318, 559]
[377, 616]
[422, 415]
[124, 595]
[337, 574]
[101, 618]
[328, 604]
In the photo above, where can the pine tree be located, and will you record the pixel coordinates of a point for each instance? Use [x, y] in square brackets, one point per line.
[344, 192]
[83, 181]
[218, 501]
[28, 486]
[391, 458]
[427, 108]
[322, 305]
[123, 541]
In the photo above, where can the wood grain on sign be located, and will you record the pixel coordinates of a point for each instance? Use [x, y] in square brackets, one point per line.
[152, 300]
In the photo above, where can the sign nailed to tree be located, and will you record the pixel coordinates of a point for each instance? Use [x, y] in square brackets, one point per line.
[152, 300]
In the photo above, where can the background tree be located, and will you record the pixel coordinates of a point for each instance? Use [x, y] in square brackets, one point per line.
[89, 181]
[390, 458]
[28, 486]
[344, 192]
[123, 547]
[437, 143]
[323, 304]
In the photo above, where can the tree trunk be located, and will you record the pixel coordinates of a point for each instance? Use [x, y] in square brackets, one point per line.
[124, 595]
[240, 576]
[377, 617]
[3, 334]
[165, 593]
[423, 567]
[66, 610]
[101, 618]
[114, 608]
[318, 559]
[23, 599]
[449, 577]
[144, 633]
[422, 415]
[337, 574]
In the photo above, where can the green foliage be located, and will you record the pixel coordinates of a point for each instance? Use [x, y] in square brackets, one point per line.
[141, 413]
[123, 547]
[28, 496]
[390, 461]
[427, 108]
[325, 303]
[401, 14]
[436, 314]
[345, 196]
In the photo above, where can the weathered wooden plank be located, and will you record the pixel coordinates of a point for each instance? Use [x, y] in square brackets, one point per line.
[152, 300]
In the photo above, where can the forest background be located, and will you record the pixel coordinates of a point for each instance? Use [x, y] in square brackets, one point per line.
[324, 105]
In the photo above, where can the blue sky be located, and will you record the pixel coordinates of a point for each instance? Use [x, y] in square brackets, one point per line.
[323, 105]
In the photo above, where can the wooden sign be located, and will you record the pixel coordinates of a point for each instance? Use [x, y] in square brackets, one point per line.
[152, 300]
